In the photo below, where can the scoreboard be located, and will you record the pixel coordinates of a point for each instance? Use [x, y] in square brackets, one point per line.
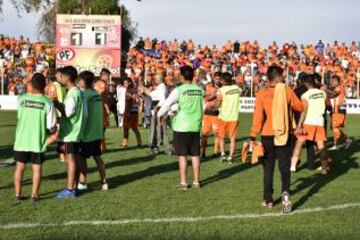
[89, 42]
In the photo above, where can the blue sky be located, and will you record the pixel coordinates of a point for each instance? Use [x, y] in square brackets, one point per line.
[213, 21]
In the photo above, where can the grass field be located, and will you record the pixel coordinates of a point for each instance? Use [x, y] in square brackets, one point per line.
[142, 186]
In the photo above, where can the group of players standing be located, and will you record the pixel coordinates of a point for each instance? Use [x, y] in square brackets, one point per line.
[77, 124]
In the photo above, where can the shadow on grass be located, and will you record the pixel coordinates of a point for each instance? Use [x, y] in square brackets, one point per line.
[226, 173]
[117, 181]
[6, 152]
[343, 162]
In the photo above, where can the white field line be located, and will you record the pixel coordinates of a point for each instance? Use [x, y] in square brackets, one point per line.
[177, 219]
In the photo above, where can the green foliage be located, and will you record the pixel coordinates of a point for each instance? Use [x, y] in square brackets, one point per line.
[67, 6]
[88, 6]
[104, 7]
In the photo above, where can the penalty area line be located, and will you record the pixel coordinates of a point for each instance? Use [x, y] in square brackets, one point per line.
[178, 219]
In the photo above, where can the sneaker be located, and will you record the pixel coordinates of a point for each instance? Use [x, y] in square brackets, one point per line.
[334, 148]
[169, 152]
[82, 186]
[155, 150]
[324, 171]
[223, 158]
[19, 198]
[104, 187]
[196, 185]
[287, 207]
[183, 187]
[267, 204]
[348, 143]
[66, 193]
[216, 155]
[292, 169]
[35, 198]
[229, 160]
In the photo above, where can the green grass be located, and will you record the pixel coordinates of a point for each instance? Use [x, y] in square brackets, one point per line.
[143, 186]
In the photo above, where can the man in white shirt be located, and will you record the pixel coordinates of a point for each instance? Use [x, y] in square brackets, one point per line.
[121, 100]
[158, 133]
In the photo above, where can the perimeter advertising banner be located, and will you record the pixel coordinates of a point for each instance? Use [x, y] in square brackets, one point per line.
[89, 42]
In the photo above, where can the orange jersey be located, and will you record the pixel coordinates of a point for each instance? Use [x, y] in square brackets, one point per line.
[210, 92]
[262, 118]
[338, 101]
[29, 62]
[147, 45]
[38, 47]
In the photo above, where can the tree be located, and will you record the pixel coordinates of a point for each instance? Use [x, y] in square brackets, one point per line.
[49, 8]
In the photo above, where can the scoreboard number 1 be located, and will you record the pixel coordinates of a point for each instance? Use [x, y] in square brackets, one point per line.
[100, 38]
[76, 39]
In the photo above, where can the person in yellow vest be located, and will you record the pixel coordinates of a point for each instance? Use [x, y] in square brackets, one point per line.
[228, 100]
[311, 123]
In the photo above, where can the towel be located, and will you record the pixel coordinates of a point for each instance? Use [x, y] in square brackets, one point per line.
[257, 152]
[280, 115]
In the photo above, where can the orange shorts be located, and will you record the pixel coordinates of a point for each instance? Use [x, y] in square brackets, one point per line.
[131, 121]
[338, 120]
[210, 124]
[229, 128]
[314, 133]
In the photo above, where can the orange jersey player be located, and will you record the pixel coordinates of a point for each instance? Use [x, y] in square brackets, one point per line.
[311, 125]
[210, 118]
[337, 96]
[101, 88]
[131, 114]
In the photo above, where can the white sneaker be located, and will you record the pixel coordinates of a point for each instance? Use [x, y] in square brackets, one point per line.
[104, 187]
[334, 148]
[348, 143]
[292, 169]
[81, 186]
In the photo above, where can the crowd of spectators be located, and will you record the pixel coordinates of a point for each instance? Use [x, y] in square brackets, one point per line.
[19, 59]
[246, 61]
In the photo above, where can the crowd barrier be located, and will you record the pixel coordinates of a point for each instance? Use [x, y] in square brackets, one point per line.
[246, 104]
[8, 102]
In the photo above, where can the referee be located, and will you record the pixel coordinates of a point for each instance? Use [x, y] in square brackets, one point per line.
[186, 124]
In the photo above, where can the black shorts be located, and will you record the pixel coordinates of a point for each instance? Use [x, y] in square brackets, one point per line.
[90, 149]
[26, 157]
[187, 144]
[68, 147]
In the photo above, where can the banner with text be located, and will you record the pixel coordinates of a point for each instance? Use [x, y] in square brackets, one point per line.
[247, 104]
